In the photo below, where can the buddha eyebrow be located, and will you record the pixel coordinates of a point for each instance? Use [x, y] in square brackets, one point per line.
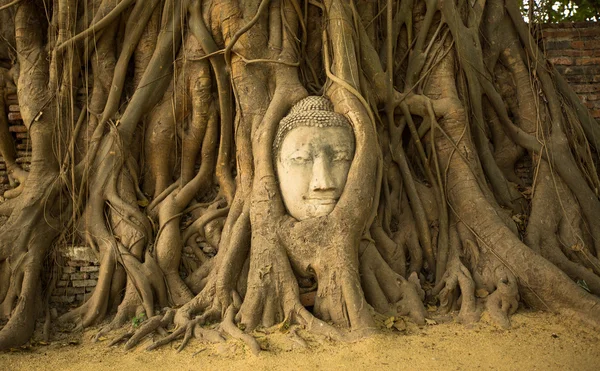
[341, 148]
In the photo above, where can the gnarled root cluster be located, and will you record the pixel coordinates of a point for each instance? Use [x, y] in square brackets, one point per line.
[160, 159]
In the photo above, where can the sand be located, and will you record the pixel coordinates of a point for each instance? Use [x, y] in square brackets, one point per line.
[536, 341]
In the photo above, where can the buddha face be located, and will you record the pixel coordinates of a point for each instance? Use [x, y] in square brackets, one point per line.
[312, 166]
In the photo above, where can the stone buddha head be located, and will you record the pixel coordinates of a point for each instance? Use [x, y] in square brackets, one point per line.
[313, 148]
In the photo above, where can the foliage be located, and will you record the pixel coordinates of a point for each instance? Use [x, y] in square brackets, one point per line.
[557, 11]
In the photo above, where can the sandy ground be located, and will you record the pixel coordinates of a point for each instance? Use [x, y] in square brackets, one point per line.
[536, 341]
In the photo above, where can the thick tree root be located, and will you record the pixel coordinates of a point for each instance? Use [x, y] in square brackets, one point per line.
[458, 277]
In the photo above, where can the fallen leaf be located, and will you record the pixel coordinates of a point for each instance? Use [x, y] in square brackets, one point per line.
[430, 322]
[389, 322]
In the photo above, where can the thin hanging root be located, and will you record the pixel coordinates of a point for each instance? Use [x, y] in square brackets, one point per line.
[97, 26]
[229, 327]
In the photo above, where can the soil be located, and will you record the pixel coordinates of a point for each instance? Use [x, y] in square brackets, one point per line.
[536, 340]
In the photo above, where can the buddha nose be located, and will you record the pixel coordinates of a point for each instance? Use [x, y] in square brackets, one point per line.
[321, 176]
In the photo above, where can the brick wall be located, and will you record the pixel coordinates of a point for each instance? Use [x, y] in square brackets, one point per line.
[79, 276]
[19, 133]
[574, 49]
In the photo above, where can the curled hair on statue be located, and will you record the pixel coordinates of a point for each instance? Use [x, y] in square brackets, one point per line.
[312, 111]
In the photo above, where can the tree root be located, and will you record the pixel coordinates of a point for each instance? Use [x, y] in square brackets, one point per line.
[388, 292]
[457, 277]
[504, 301]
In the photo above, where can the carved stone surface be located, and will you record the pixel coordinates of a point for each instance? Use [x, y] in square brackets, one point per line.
[314, 148]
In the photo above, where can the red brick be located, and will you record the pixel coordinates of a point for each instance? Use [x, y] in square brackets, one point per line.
[84, 283]
[17, 129]
[14, 116]
[595, 113]
[586, 88]
[572, 53]
[588, 61]
[75, 290]
[582, 78]
[585, 44]
[561, 60]
[580, 70]
[571, 33]
[63, 299]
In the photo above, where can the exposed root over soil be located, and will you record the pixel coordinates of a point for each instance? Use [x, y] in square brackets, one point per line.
[153, 127]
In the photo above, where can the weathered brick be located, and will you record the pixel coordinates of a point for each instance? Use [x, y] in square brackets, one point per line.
[63, 299]
[89, 289]
[582, 70]
[558, 33]
[76, 263]
[75, 290]
[561, 60]
[558, 45]
[91, 268]
[62, 283]
[586, 88]
[59, 291]
[14, 108]
[14, 116]
[94, 275]
[595, 61]
[84, 283]
[17, 129]
[69, 270]
[79, 276]
[84, 254]
[585, 44]
[582, 79]
[572, 52]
